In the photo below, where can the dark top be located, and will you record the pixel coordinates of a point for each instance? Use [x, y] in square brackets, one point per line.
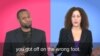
[27, 40]
[76, 45]
[15, 39]
[27, 37]
[66, 41]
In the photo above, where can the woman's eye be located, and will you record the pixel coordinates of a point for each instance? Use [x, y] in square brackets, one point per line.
[73, 16]
[78, 16]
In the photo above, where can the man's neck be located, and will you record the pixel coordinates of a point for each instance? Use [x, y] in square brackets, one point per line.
[26, 29]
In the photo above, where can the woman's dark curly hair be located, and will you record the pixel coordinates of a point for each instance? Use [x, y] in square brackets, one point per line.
[84, 19]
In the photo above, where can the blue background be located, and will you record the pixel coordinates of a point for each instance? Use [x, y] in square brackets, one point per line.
[60, 7]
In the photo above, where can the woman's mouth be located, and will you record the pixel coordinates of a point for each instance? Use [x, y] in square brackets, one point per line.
[75, 22]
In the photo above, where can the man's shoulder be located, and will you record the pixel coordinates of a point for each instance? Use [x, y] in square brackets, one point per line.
[37, 30]
[18, 29]
[13, 31]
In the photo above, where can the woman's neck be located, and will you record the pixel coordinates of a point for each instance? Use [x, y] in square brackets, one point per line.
[76, 28]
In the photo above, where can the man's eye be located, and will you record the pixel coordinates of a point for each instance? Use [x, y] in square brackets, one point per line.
[23, 18]
[28, 17]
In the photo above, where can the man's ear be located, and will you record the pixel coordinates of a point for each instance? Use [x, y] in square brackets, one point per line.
[19, 20]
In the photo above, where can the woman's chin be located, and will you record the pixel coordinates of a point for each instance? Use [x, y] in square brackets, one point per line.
[75, 25]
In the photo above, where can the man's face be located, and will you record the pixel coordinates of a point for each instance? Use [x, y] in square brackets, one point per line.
[25, 20]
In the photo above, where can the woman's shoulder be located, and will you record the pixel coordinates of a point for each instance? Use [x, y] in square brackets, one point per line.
[87, 31]
[62, 29]
[65, 30]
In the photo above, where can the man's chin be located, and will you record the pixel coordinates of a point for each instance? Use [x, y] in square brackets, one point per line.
[26, 27]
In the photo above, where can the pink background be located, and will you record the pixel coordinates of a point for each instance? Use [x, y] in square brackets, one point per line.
[40, 13]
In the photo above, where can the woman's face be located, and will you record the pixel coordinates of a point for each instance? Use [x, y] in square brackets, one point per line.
[76, 18]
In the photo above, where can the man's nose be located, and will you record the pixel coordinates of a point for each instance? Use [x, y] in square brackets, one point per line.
[28, 19]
